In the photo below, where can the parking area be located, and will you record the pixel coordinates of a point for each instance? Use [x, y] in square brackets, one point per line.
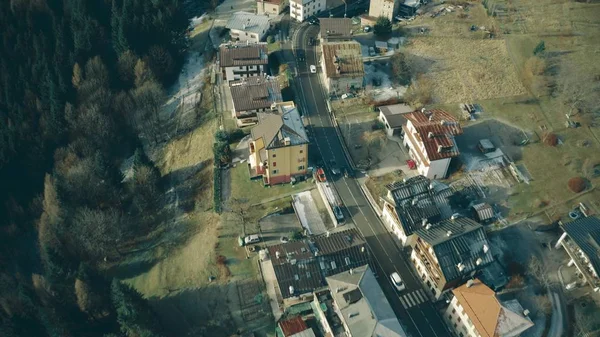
[277, 226]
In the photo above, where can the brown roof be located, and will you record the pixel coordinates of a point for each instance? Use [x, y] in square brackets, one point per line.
[274, 128]
[243, 54]
[336, 27]
[436, 129]
[343, 59]
[481, 305]
[292, 326]
[254, 93]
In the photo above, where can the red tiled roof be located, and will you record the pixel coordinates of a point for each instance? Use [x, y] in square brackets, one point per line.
[436, 129]
[292, 326]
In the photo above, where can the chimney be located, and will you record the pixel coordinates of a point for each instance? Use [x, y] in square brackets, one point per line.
[478, 261]
[431, 117]
[291, 290]
[430, 134]
[454, 216]
[470, 283]
[449, 233]
[423, 110]
[351, 271]
[338, 289]
[424, 222]
[415, 201]
[440, 148]
[328, 234]
[362, 249]
[460, 266]
[338, 69]
[428, 226]
[442, 122]
[485, 248]
[526, 312]
[277, 254]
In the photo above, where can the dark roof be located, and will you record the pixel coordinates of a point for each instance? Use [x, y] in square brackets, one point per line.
[292, 326]
[585, 232]
[305, 264]
[455, 242]
[394, 114]
[418, 202]
[436, 129]
[352, 296]
[484, 211]
[254, 93]
[343, 59]
[275, 128]
[243, 54]
[336, 28]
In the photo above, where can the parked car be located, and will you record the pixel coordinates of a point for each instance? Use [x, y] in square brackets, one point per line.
[250, 239]
[313, 69]
[313, 20]
[344, 96]
[335, 171]
[367, 29]
[371, 51]
[311, 41]
[397, 281]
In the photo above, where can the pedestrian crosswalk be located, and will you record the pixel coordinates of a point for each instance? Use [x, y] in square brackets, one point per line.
[413, 298]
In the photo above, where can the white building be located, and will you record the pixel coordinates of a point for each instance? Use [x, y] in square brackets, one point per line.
[300, 10]
[248, 27]
[429, 136]
[385, 8]
[475, 311]
[392, 117]
[242, 60]
[270, 7]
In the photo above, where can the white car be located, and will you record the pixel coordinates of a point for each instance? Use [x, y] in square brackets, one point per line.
[397, 281]
[250, 239]
[313, 69]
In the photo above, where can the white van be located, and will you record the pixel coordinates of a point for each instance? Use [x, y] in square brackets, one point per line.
[254, 238]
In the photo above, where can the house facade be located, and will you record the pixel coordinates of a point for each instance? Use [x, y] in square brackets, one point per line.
[253, 95]
[300, 10]
[447, 253]
[581, 241]
[392, 117]
[270, 7]
[248, 27]
[475, 311]
[238, 61]
[343, 68]
[429, 137]
[385, 8]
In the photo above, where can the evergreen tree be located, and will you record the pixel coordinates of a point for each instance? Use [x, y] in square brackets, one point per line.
[133, 313]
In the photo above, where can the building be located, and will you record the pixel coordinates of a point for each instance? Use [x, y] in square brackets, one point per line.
[248, 27]
[413, 204]
[429, 136]
[278, 146]
[483, 212]
[475, 311]
[581, 240]
[253, 95]
[301, 267]
[392, 116]
[385, 8]
[409, 8]
[300, 10]
[362, 306]
[294, 327]
[335, 29]
[449, 252]
[271, 7]
[242, 60]
[343, 67]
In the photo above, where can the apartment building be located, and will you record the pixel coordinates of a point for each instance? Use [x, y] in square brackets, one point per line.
[343, 68]
[300, 10]
[239, 60]
[385, 8]
[475, 311]
[449, 252]
[429, 137]
[248, 27]
[270, 7]
[253, 95]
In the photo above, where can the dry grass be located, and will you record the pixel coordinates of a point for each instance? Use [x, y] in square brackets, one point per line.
[376, 185]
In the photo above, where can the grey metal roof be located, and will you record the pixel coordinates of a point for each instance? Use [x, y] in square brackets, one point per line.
[243, 54]
[394, 114]
[363, 305]
[275, 128]
[419, 201]
[248, 22]
[585, 232]
[455, 241]
[254, 93]
[335, 28]
[381, 44]
[484, 211]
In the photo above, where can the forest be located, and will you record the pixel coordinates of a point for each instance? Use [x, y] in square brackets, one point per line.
[75, 76]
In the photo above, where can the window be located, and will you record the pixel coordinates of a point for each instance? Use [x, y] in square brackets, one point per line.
[275, 171]
[469, 322]
[453, 311]
[450, 317]
[455, 325]
[274, 163]
[459, 319]
[274, 155]
[301, 167]
[460, 334]
[301, 151]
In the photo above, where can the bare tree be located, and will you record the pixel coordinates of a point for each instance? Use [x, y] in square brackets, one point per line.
[540, 271]
[420, 93]
[96, 233]
[584, 323]
[578, 89]
[241, 208]
[373, 139]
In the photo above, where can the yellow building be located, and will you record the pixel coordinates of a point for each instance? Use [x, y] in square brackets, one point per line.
[279, 146]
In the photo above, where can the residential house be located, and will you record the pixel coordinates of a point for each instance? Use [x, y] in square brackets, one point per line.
[294, 327]
[385, 8]
[278, 146]
[251, 96]
[362, 305]
[270, 7]
[335, 29]
[412, 204]
[301, 267]
[581, 240]
[300, 10]
[242, 60]
[343, 67]
[475, 311]
[392, 116]
[248, 27]
[449, 252]
[429, 136]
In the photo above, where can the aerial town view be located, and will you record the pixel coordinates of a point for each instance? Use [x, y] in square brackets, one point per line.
[300, 168]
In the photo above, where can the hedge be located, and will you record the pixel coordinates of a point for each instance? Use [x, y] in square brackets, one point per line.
[217, 189]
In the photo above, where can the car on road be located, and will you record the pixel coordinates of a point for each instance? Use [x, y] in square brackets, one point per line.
[397, 281]
[313, 69]
[300, 55]
[335, 171]
[311, 41]
[313, 20]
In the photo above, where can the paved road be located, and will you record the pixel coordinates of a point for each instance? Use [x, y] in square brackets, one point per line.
[412, 306]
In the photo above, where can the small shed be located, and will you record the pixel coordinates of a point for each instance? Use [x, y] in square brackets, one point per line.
[486, 146]
[483, 212]
[381, 46]
[393, 43]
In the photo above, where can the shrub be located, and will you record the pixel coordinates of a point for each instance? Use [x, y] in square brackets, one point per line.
[297, 235]
[550, 139]
[383, 26]
[270, 39]
[377, 125]
[221, 260]
[236, 135]
[577, 184]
